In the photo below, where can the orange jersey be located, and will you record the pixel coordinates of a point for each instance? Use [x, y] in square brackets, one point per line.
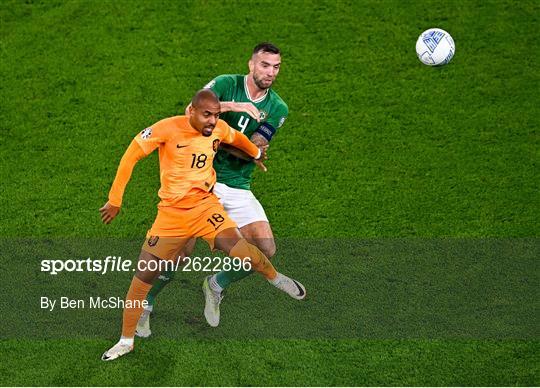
[185, 159]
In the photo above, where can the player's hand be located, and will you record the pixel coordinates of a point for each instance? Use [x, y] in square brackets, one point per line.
[262, 158]
[246, 107]
[108, 212]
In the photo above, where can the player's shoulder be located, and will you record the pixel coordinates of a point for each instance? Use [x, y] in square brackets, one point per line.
[172, 124]
[278, 103]
[225, 79]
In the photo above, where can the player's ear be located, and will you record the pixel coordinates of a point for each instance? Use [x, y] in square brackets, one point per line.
[251, 65]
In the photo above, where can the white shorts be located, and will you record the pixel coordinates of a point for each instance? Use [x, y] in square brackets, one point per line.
[241, 205]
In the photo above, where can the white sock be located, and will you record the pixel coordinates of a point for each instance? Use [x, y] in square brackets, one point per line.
[144, 316]
[126, 341]
[214, 286]
[148, 309]
[277, 279]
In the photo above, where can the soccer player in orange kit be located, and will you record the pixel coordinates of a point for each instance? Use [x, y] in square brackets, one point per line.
[188, 208]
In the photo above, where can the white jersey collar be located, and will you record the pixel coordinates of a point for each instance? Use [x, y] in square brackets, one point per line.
[249, 96]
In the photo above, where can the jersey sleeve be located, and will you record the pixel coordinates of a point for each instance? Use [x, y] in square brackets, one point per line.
[278, 117]
[152, 137]
[239, 140]
[133, 154]
[221, 85]
[227, 134]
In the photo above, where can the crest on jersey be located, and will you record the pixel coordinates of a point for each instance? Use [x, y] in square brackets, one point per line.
[152, 241]
[215, 145]
[146, 133]
[210, 84]
[281, 121]
[262, 115]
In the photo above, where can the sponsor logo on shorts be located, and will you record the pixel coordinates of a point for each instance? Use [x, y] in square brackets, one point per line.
[152, 241]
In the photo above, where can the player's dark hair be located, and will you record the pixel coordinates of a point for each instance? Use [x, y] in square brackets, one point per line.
[266, 47]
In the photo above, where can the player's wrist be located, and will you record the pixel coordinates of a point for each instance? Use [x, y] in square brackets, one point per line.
[259, 155]
[115, 203]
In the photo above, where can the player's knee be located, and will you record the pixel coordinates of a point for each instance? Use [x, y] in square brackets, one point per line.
[268, 247]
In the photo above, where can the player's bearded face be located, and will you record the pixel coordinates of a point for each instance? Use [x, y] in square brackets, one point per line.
[204, 118]
[264, 68]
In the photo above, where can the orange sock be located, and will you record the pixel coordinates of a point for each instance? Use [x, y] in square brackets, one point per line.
[137, 292]
[259, 262]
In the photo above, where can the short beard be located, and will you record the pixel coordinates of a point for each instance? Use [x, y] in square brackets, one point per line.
[259, 84]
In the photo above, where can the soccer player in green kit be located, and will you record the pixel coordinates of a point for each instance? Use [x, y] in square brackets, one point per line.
[249, 105]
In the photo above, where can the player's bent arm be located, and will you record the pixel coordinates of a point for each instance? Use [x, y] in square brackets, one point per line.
[256, 139]
[235, 152]
[259, 140]
[133, 154]
[242, 142]
[247, 107]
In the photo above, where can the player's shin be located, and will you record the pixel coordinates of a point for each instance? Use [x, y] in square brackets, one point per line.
[134, 307]
[165, 278]
[226, 278]
[259, 262]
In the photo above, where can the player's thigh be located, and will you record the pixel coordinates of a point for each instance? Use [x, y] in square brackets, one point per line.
[244, 209]
[212, 222]
[159, 254]
[227, 239]
[147, 267]
[188, 249]
[259, 233]
[170, 237]
[241, 205]
[165, 248]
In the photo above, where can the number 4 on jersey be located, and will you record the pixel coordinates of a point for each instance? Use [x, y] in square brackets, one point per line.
[243, 123]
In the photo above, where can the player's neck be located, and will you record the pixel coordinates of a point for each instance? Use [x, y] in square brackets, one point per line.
[255, 93]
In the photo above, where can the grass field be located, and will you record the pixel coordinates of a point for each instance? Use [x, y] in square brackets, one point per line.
[404, 197]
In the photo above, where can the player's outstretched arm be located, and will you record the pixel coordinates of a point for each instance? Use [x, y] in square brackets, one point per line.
[133, 154]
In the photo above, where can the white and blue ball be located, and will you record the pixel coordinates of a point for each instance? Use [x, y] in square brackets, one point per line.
[435, 47]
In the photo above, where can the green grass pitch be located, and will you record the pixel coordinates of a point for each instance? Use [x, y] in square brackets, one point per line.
[404, 197]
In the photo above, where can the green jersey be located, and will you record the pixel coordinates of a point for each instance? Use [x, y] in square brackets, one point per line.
[230, 170]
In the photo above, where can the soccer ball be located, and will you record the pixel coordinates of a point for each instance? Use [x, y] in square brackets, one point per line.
[435, 47]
